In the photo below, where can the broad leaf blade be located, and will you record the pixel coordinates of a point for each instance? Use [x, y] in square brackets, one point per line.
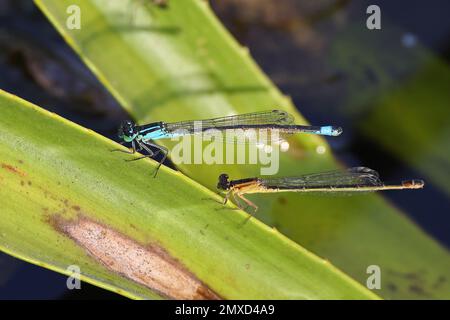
[59, 180]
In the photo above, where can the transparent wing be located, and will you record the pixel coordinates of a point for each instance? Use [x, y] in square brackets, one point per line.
[239, 136]
[352, 177]
[255, 118]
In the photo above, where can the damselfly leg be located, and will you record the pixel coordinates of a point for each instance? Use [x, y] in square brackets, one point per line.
[251, 204]
[151, 154]
[148, 155]
[236, 196]
[162, 149]
[132, 151]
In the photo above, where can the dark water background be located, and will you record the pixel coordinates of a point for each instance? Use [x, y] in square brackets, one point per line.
[289, 39]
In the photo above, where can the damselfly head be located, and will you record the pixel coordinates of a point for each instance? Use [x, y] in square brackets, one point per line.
[224, 183]
[127, 131]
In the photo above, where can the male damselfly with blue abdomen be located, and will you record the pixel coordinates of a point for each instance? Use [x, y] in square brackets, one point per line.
[140, 136]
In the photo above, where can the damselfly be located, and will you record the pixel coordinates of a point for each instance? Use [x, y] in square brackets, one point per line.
[140, 136]
[357, 179]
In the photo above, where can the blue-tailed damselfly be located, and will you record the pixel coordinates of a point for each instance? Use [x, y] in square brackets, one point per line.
[140, 136]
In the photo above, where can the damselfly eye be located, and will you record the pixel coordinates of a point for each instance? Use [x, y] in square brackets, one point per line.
[223, 183]
[127, 129]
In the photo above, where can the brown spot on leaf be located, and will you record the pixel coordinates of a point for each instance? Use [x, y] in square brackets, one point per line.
[13, 169]
[391, 287]
[282, 200]
[76, 208]
[416, 289]
[149, 265]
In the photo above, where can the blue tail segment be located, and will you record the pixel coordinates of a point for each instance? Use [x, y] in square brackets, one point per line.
[330, 131]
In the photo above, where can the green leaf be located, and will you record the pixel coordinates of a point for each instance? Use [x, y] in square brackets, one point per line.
[69, 200]
[179, 63]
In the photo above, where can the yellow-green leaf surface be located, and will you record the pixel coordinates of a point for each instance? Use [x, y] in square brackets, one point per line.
[178, 63]
[55, 174]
